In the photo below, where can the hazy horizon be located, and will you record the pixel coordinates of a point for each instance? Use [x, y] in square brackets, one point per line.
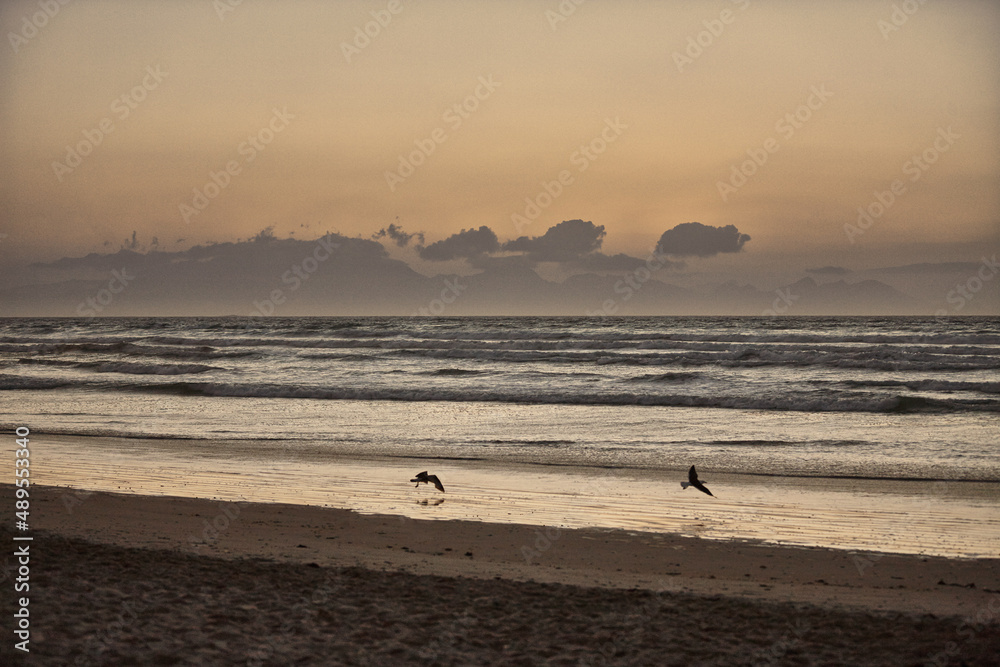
[854, 145]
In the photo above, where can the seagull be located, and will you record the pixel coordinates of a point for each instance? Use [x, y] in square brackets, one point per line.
[695, 482]
[425, 478]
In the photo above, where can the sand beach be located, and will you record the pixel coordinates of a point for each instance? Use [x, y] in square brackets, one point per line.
[131, 579]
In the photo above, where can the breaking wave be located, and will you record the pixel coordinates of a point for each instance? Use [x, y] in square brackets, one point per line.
[852, 402]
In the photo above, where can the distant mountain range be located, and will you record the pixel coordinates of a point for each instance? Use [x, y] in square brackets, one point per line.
[337, 275]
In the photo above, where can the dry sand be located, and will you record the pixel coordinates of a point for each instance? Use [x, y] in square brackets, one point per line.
[126, 579]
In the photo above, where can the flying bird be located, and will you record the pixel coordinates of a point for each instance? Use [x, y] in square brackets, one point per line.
[695, 482]
[428, 479]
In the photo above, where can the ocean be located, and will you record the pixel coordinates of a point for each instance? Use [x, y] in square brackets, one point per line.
[602, 413]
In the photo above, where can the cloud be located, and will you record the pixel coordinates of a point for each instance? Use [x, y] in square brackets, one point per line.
[572, 243]
[466, 244]
[693, 239]
[567, 241]
[829, 271]
[260, 276]
[264, 235]
[397, 235]
[576, 245]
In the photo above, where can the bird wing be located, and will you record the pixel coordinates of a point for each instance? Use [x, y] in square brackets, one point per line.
[701, 487]
[437, 482]
[697, 483]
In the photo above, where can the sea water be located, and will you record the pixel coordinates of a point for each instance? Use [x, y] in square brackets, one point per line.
[604, 413]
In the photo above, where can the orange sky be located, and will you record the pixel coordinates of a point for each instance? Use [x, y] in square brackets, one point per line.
[337, 120]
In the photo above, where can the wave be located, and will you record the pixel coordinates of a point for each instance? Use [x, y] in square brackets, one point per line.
[153, 369]
[457, 372]
[664, 377]
[125, 367]
[792, 443]
[111, 432]
[888, 360]
[537, 443]
[925, 385]
[307, 340]
[19, 382]
[871, 366]
[125, 348]
[298, 337]
[850, 402]
[539, 336]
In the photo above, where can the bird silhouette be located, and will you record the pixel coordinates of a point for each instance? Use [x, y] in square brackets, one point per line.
[695, 482]
[428, 479]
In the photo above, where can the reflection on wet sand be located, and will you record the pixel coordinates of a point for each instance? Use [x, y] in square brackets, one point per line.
[946, 519]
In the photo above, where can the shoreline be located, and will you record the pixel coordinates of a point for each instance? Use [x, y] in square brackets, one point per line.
[128, 579]
[955, 520]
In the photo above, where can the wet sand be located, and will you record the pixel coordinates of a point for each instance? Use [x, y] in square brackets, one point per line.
[944, 518]
[165, 580]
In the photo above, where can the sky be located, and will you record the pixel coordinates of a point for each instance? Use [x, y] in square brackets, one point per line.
[851, 136]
